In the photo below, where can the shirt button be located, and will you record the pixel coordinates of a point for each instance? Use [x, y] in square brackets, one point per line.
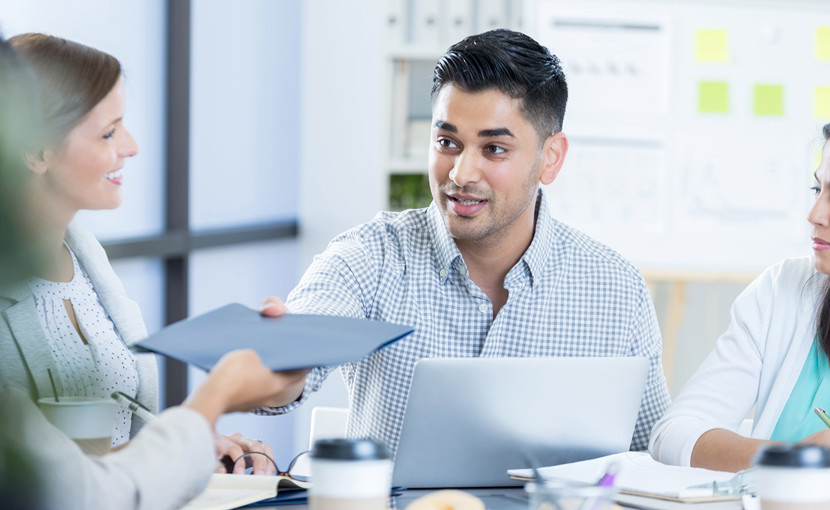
[482, 308]
[464, 271]
[442, 273]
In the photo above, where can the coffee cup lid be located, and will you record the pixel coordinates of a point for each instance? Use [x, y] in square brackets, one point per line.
[793, 455]
[349, 449]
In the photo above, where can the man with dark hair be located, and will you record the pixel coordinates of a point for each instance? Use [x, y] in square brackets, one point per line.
[516, 65]
[485, 270]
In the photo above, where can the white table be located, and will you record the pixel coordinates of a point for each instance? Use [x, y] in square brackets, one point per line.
[516, 493]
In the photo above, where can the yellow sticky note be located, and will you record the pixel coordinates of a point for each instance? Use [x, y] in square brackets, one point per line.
[711, 46]
[713, 97]
[823, 43]
[821, 102]
[768, 100]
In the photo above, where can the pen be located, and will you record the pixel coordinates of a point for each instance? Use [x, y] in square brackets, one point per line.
[607, 480]
[821, 413]
[134, 405]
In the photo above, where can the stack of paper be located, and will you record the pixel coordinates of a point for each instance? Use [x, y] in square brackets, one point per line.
[645, 483]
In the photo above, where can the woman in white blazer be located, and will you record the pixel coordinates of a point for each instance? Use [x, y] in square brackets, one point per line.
[171, 459]
[75, 320]
[773, 357]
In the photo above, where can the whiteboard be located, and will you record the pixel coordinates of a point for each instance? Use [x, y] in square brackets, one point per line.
[671, 175]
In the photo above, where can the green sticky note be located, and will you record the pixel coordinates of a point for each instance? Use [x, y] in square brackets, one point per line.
[713, 97]
[823, 43]
[711, 46]
[769, 100]
[821, 102]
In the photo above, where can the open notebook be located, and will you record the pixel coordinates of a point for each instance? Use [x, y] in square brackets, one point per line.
[233, 491]
[225, 492]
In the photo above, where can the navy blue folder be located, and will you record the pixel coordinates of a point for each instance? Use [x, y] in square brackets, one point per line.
[289, 342]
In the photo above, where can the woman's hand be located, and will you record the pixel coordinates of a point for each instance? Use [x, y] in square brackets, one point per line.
[240, 382]
[235, 445]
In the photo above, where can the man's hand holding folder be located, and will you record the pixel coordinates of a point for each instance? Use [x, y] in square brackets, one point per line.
[275, 307]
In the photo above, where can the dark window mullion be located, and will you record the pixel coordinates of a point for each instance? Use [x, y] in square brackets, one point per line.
[181, 244]
[177, 189]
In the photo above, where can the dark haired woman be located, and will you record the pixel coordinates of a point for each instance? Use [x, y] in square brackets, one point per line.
[774, 356]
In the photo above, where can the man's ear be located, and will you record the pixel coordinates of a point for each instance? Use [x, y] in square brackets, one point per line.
[37, 160]
[554, 151]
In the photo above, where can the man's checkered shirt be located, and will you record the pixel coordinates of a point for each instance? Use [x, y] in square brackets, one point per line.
[568, 296]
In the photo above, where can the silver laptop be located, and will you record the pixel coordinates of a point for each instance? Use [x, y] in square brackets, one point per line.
[469, 420]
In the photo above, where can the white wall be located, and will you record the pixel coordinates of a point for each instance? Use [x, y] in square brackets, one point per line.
[343, 91]
[245, 134]
[342, 134]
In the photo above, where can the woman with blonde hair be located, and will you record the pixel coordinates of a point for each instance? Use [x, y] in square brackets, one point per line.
[172, 458]
[75, 319]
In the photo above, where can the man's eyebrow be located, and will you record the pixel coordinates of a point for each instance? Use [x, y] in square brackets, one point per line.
[446, 126]
[487, 133]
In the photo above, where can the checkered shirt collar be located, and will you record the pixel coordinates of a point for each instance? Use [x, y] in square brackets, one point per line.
[535, 257]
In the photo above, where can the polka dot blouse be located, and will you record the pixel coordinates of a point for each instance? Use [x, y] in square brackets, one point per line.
[93, 369]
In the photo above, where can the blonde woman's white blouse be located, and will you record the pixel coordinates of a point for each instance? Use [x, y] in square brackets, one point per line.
[93, 369]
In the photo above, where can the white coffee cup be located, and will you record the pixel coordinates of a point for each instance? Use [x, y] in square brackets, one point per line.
[350, 474]
[87, 421]
[793, 477]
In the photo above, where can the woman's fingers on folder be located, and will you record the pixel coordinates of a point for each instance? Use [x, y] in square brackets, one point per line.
[240, 382]
[273, 307]
[248, 384]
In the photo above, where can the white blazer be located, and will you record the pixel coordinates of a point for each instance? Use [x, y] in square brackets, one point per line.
[167, 464]
[756, 362]
[24, 352]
